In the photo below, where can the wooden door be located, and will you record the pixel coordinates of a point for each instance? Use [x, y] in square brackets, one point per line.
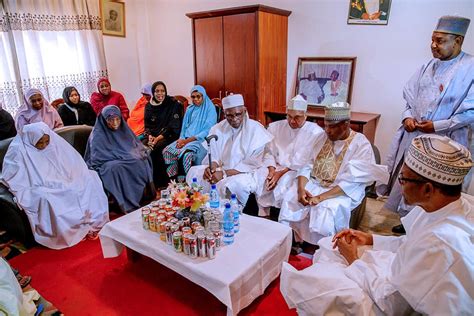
[240, 58]
[208, 55]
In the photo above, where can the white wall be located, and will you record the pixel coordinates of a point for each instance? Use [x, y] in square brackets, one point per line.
[158, 46]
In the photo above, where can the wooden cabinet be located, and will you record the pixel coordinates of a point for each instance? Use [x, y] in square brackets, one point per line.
[243, 50]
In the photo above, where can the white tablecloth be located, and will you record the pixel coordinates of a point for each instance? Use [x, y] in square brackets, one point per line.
[239, 273]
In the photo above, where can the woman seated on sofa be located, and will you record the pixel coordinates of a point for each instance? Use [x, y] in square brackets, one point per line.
[122, 162]
[136, 121]
[200, 116]
[106, 96]
[36, 108]
[74, 111]
[63, 199]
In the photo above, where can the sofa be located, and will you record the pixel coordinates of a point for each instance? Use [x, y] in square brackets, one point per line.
[12, 219]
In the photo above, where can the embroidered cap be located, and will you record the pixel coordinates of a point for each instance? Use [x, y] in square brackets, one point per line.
[298, 103]
[452, 25]
[439, 158]
[339, 111]
[232, 101]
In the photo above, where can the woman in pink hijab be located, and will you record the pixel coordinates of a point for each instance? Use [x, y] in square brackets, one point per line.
[106, 96]
[37, 109]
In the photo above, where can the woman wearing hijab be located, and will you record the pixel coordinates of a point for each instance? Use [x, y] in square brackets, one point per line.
[74, 111]
[7, 124]
[136, 121]
[63, 199]
[37, 109]
[200, 116]
[120, 159]
[106, 96]
[163, 115]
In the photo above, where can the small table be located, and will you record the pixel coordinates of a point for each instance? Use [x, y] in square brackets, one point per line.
[365, 123]
[238, 274]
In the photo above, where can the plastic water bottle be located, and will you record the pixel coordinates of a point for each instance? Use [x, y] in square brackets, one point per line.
[195, 185]
[214, 197]
[234, 206]
[228, 237]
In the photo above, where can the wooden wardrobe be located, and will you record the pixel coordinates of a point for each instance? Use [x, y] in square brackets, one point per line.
[243, 50]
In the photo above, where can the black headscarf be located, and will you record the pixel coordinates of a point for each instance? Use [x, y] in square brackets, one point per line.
[86, 114]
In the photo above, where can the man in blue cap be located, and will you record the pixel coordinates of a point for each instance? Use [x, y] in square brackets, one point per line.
[439, 99]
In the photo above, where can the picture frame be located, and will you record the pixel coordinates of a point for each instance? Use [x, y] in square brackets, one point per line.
[371, 12]
[112, 15]
[325, 80]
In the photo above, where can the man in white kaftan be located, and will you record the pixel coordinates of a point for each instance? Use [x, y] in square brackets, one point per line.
[439, 99]
[327, 189]
[237, 153]
[289, 151]
[429, 271]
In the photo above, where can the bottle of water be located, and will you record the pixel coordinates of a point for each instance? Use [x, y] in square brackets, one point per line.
[195, 185]
[234, 206]
[228, 237]
[214, 197]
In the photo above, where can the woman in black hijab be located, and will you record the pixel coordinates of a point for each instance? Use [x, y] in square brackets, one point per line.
[7, 124]
[74, 111]
[163, 118]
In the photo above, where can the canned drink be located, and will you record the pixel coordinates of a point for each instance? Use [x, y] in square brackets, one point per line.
[169, 233]
[218, 238]
[155, 209]
[186, 245]
[160, 219]
[162, 229]
[201, 244]
[174, 228]
[193, 247]
[180, 224]
[186, 221]
[174, 220]
[145, 209]
[178, 241]
[152, 222]
[146, 219]
[195, 225]
[200, 230]
[187, 230]
[169, 215]
[211, 246]
[207, 216]
[162, 213]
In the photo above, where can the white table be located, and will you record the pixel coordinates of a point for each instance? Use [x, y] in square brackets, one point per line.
[239, 273]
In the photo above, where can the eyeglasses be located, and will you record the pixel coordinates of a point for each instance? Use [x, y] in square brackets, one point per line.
[236, 115]
[403, 180]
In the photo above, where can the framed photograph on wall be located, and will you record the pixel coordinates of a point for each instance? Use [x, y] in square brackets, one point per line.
[369, 12]
[113, 18]
[325, 80]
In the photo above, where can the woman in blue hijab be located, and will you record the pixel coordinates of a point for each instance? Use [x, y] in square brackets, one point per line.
[122, 161]
[200, 116]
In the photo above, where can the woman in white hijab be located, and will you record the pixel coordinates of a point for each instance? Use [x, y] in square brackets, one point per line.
[63, 199]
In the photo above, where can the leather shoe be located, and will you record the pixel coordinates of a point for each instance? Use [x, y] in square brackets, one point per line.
[399, 229]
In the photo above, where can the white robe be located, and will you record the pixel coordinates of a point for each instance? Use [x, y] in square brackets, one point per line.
[240, 149]
[62, 198]
[358, 170]
[430, 270]
[290, 148]
[11, 296]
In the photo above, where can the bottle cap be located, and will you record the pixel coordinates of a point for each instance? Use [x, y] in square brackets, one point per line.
[227, 205]
[213, 186]
[233, 196]
[195, 180]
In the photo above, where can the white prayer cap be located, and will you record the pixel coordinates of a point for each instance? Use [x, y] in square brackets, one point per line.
[339, 111]
[439, 158]
[232, 101]
[298, 103]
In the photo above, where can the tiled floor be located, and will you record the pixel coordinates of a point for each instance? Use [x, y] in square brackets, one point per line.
[377, 219]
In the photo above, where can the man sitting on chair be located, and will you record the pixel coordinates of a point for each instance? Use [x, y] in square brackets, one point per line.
[429, 271]
[320, 203]
[289, 151]
[237, 153]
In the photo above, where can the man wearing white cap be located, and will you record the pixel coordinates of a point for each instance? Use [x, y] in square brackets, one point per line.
[289, 151]
[333, 184]
[429, 271]
[237, 153]
[439, 99]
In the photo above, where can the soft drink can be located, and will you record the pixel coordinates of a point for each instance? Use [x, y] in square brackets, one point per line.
[155, 209]
[211, 246]
[201, 244]
[146, 219]
[152, 222]
[195, 225]
[180, 224]
[178, 241]
[187, 230]
[163, 231]
[200, 230]
[186, 245]
[169, 233]
[186, 221]
[218, 237]
[173, 220]
[169, 215]
[193, 247]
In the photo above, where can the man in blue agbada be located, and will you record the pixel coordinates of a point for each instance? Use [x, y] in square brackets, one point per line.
[439, 99]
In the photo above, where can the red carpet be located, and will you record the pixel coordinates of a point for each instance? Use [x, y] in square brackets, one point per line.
[79, 281]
